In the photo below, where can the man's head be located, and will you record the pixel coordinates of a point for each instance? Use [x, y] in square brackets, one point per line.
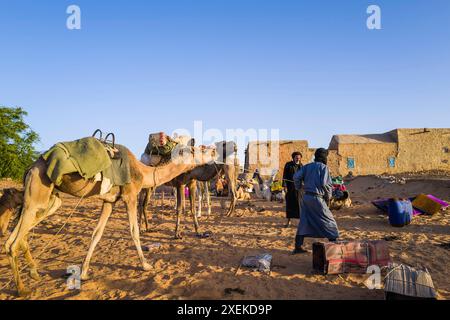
[321, 155]
[297, 157]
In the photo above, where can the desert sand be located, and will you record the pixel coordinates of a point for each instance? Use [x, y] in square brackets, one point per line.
[194, 268]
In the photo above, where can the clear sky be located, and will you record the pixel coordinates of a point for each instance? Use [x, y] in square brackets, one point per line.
[309, 68]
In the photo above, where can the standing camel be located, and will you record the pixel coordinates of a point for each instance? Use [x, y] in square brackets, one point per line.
[203, 173]
[41, 200]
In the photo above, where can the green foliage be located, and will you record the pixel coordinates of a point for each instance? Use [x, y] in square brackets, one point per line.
[16, 143]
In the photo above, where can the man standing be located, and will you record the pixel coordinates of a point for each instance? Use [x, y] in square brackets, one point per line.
[316, 219]
[293, 197]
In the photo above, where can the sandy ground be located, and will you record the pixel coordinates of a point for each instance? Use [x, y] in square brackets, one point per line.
[204, 269]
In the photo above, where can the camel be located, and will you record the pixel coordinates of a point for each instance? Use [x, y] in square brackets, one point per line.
[9, 202]
[244, 190]
[261, 187]
[203, 173]
[41, 200]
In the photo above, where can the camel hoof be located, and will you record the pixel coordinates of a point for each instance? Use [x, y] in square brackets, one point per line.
[35, 275]
[178, 236]
[85, 277]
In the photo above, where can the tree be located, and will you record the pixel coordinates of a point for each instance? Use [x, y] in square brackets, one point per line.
[16, 143]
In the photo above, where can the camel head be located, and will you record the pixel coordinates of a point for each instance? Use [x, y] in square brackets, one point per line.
[9, 202]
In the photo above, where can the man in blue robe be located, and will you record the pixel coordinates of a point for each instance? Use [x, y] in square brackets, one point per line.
[316, 219]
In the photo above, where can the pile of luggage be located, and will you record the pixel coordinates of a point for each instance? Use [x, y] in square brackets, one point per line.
[401, 282]
[402, 211]
[340, 196]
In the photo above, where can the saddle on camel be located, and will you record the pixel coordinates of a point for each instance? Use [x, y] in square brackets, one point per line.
[86, 168]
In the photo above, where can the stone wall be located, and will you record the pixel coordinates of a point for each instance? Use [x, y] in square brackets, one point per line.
[406, 150]
[258, 156]
[423, 150]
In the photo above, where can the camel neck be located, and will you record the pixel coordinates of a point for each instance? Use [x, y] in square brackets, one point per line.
[157, 176]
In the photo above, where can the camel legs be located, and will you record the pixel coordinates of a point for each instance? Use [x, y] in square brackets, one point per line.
[97, 235]
[192, 194]
[131, 203]
[231, 179]
[38, 192]
[144, 200]
[180, 208]
[55, 204]
[200, 199]
[34, 274]
[203, 197]
[208, 198]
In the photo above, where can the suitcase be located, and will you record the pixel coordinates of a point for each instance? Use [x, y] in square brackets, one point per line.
[350, 257]
[400, 212]
[406, 283]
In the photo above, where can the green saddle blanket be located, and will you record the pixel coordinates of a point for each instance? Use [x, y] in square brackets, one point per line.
[88, 157]
[119, 171]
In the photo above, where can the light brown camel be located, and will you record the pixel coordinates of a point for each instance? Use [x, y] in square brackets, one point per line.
[41, 201]
[9, 202]
[202, 173]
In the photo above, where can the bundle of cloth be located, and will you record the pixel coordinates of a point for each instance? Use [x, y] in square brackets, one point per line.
[277, 191]
[340, 191]
[92, 159]
[422, 204]
[159, 149]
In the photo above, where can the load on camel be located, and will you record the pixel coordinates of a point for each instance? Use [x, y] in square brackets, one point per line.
[224, 165]
[85, 168]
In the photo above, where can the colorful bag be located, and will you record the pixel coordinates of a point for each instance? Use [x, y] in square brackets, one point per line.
[406, 283]
[427, 205]
[400, 212]
[350, 257]
[383, 205]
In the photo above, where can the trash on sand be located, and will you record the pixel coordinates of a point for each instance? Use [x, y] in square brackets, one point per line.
[205, 235]
[152, 247]
[393, 180]
[262, 262]
[229, 291]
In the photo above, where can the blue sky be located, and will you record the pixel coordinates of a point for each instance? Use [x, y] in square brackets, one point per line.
[308, 68]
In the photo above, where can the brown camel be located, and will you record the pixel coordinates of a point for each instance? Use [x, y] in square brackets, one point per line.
[203, 173]
[9, 202]
[41, 200]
